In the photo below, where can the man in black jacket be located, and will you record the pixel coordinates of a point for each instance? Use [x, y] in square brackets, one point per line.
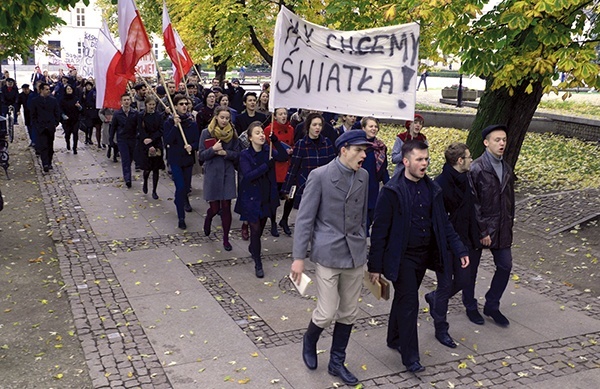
[411, 233]
[492, 180]
[124, 125]
[22, 102]
[458, 202]
[45, 116]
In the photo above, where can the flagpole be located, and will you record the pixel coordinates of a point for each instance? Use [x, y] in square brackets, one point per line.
[152, 91]
[170, 100]
[181, 72]
[198, 73]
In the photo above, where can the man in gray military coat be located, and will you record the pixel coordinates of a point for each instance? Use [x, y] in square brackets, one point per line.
[332, 220]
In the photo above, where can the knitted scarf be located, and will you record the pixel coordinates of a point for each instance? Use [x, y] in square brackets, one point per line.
[223, 134]
[380, 151]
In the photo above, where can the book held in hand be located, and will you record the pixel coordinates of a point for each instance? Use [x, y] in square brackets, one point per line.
[379, 289]
[302, 284]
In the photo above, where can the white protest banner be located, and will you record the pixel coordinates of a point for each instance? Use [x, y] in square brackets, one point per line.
[366, 73]
[146, 67]
[86, 65]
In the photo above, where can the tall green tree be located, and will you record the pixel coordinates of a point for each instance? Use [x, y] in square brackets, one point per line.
[23, 23]
[519, 47]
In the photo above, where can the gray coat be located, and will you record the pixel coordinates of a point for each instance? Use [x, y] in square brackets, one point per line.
[333, 217]
[219, 171]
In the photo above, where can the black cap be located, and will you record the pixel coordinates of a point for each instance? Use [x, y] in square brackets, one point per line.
[139, 86]
[24, 86]
[494, 127]
[352, 137]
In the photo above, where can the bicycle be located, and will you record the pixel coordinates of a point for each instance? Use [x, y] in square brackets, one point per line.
[4, 156]
[10, 123]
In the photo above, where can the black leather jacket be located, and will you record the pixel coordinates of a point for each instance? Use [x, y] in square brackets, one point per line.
[494, 203]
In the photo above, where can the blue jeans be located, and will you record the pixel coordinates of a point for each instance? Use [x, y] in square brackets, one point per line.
[182, 177]
[503, 262]
[126, 149]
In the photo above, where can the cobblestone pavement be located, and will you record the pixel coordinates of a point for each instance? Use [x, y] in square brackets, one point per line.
[158, 308]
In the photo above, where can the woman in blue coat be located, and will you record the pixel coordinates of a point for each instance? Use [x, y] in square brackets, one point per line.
[219, 151]
[258, 189]
[181, 157]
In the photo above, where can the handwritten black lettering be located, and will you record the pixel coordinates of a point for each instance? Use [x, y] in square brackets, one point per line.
[363, 80]
[378, 49]
[346, 45]
[327, 42]
[387, 79]
[407, 75]
[307, 34]
[352, 69]
[304, 78]
[285, 72]
[335, 78]
[360, 49]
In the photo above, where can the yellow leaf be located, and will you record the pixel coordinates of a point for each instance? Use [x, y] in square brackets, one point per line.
[364, 367]
[254, 354]
[130, 374]
[58, 376]
[515, 277]
[504, 363]
[244, 381]
[462, 365]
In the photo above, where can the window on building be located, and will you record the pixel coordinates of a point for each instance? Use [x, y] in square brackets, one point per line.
[80, 13]
[80, 48]
[54, 47]
[156, 50]
[30, 58]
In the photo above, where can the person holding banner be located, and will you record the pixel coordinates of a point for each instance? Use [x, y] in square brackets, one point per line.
[182, 155]
[219, 150]
[259, 198]
[310, 152]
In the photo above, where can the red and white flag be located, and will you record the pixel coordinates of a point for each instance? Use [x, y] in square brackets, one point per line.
[109, 85]
[182, 62]
[134, 39]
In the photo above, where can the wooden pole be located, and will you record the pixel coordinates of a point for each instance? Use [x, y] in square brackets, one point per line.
[153, 91]
[170, 100]
[181, 72]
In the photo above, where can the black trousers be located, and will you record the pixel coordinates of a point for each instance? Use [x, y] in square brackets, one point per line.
[402, 326]
[45, 145]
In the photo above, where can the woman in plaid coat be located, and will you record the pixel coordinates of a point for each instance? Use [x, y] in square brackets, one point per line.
[310, 152]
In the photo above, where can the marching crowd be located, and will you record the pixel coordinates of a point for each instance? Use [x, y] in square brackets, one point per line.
[331, 168]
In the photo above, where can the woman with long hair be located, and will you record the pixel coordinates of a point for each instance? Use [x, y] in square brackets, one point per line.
[259, 196]
[181, 157]
[263, 103]
[310, 152]
[219, 151]
[150, 129]
[71, 114]
[285, 133]
[375, 164]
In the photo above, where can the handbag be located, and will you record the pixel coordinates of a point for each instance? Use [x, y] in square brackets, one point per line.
[154, 152]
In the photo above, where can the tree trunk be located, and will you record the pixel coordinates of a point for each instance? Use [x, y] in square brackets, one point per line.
[220, 69]
[516, 112]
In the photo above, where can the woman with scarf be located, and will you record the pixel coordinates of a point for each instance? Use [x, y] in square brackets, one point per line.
[375, 164]
[71, 112]
[259, 197]
[150, 146]
[181, 156]
[285, 133]
[219, 152]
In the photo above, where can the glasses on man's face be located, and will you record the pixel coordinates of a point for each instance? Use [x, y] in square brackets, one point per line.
[184, 104]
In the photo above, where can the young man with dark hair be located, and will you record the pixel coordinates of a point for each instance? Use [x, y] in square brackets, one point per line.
[22, 102]
[411, 233]
[332, 219]
[459, 203]
[45, 116]
[124, 126]
[493, 181]
[243, 120]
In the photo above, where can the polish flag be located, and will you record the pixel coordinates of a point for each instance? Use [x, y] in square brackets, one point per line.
[182, 62]
[134, 39]
[109, 85]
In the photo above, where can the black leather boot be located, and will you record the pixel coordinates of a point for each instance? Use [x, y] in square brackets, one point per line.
[309, 345]
[341, 336]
